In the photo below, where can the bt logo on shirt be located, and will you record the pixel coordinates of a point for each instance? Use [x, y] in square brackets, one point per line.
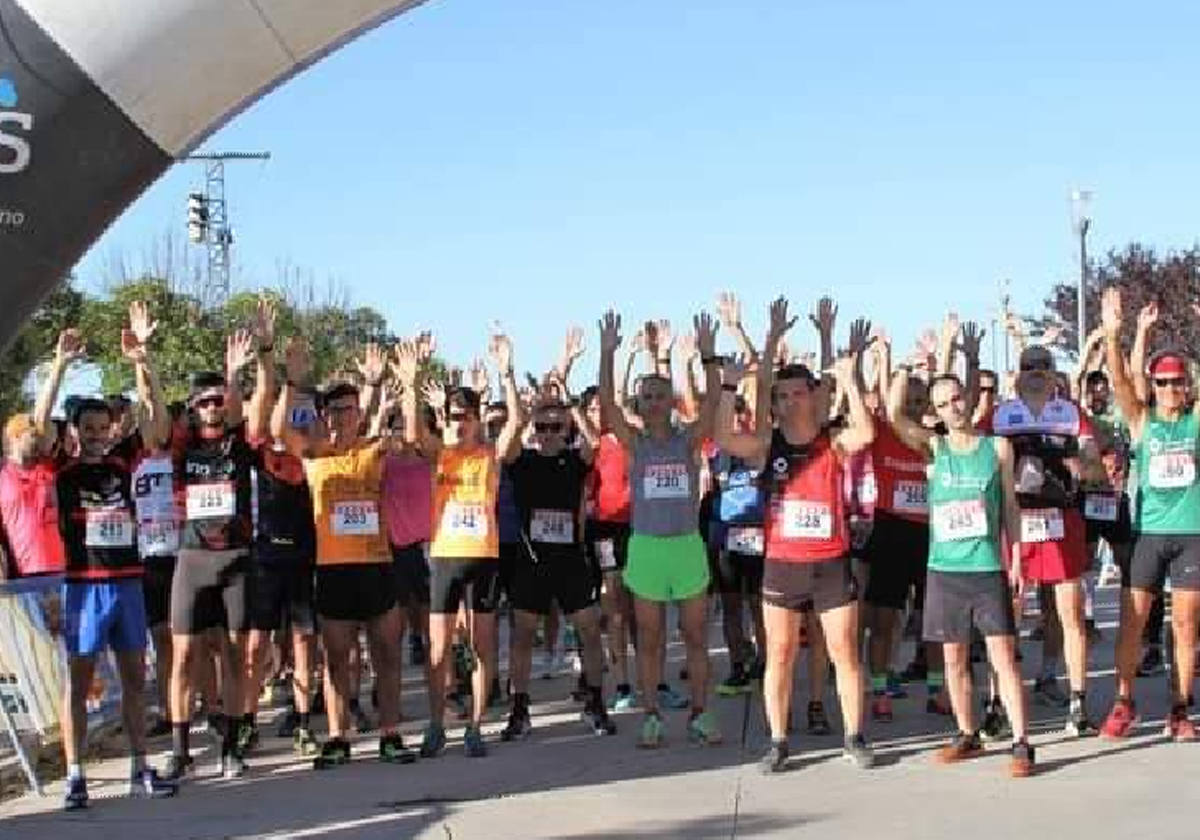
[15, 151]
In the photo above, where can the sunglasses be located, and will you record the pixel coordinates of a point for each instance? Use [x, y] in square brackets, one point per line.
[458, 416]
[210, 402]
[1172, 382]
[987, 389]
[1030, 367]
[551, 428]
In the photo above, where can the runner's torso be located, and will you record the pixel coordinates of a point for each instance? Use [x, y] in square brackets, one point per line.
[466, 483]
[96, 512]
[965, 500]
[806, 517]
[346, 506]
[664, 478]
[1168, 492]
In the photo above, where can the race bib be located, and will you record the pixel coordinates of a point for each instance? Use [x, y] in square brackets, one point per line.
[1040, 526]
[1172, 469]
[606, 554]
[1100, 507]
[910, 497]
[157, 538]
[868, 492]
[302, 415]
[214, 500]
[465, 520]
[963, 520]
[354, 519]
[666, 481]
[743, 539]
[108, 529]
[803, 520]
[552, 526]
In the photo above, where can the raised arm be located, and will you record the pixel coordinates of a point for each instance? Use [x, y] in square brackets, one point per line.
[660, 341]
[372, 367]
[913, 434]
[589, 435]
[409, 357]
[154, 424]
[67, 350]
[1093, 359]
[729, 308]
[946, 343]
[972, 343]
[614, 415]
[690, 401]
[258, 414]
[825, 319]
[239, 349]
[298, 367]
[508, 442]
[573, 347]
[859, 431]
[1124, 391]
[706, 342]
[637, 345]
[1147, 318]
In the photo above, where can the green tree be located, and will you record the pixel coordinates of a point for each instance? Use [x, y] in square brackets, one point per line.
[62, 308]
[1172, 279]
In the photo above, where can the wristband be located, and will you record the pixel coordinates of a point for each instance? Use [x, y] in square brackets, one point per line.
[709, 360]
[731, 389]
[664, 359]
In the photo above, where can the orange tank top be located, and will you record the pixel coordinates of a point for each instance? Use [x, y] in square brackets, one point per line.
[346, 506]
[465, 487]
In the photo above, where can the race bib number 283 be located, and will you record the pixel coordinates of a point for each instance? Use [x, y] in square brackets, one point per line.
[355, 519]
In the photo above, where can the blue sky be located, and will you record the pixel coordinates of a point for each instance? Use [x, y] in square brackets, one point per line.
[536, 161]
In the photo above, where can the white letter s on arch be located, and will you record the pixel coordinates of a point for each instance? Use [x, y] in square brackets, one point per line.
[19, 145]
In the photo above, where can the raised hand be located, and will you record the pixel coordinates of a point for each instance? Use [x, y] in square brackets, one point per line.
[706, 333]
[573, 345]
[638, 343]
[296, 360]
[687, 346]
[733, 369]
[407, 361]
[373, 365]
[426, 346]
[239, 350]
[972, 339]
[434, 393]
[610, 332]
[140, 323]
[949, 328]
[477, 378]
[264, 323]
[131, 348]
[1148, 316]
[779, 323]
[69, 347]
[501, 350]
[729, 309]
[1052, 333]
[825, 316]
[1111, 313]
[844, 368]
[860, 335]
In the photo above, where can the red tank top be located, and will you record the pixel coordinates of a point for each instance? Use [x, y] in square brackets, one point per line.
[806, 517]
[899, 476]
[610, 481]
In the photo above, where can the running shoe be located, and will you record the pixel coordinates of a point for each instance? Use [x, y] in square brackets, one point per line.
[393, 751]
[1152, 661]
[963, 746]
[362, 720]
[895, 689]
[1120, 720]
[519, 726]
[938, 703]
[247, 738]
[915, 671]
[334, 753]
[652, 732]
[303, 742]
[597, 718]
[776, 759]
[146, 784]
[433, 742]
[161, 727]
[670, 698]
[758, 669]
[881, 708]
[738, 683]
[76, 796]
[1047, 693]
[1179, 726]
[818, 721]
[995, 722]
[473, 743]
[857, 751]
[703, 729]
[1021, 764]
[288, 723]
[1078, 724]
[622, 701]
[178, 766]
[233, 765]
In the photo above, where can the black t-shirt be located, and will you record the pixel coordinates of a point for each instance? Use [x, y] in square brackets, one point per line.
[212, 478]
[96, 518]
[549, 493]
[285, 515]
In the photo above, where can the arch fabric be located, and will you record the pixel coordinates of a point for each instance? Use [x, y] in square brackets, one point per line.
[98, 98]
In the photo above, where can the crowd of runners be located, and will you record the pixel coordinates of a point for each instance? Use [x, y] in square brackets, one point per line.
[273, 524]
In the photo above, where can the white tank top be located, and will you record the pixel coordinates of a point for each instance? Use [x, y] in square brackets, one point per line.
[154, 501]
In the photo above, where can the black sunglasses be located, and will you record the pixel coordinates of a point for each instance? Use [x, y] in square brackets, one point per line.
[214, 402]
[552, 428]
[1029, 367]
[458, 416]
[1172, 382]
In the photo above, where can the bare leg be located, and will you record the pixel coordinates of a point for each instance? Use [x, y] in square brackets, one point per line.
[1135, 610]
[131, 668]
[783, 634]
[384, 636]
[441, 634]
[1068, 598]
[841, 636]
[693, 614]
[1185, 609]
[80, 670]
[650, 620]
[338, 639]
[957, 657]
[1002, 653]
[483, 640]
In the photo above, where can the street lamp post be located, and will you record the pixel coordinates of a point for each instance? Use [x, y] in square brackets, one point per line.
[1081, 217]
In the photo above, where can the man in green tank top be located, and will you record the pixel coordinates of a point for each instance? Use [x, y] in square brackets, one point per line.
[1164, 430]
[973, 515]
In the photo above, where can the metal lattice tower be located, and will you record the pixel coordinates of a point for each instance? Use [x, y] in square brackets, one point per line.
[215, 232]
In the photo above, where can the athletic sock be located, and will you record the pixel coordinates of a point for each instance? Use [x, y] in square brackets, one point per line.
[179, 739]
[304, 717]
[935, 681]
[595, 697]
[879, 683]
[248, 719]
[75, 771]
[137, 763]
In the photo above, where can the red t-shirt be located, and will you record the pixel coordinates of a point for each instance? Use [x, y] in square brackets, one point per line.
[806, 520]
[899, 476]
[609, 483]
[29, 509]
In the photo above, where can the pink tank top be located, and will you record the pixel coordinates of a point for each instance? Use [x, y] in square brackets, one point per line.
[407, 495]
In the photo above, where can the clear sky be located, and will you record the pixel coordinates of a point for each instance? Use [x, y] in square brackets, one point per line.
[536, 161]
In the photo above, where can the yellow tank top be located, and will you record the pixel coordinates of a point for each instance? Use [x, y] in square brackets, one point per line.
[346, 506]
[465, 486]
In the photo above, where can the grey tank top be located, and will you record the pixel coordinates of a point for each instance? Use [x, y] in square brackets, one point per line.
[664, 477]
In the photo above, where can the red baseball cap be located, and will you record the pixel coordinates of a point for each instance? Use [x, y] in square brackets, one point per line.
[1168, 364]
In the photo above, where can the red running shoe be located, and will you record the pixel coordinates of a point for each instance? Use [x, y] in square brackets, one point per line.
[1120, 720]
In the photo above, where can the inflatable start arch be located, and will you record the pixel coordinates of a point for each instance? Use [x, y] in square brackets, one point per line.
[98, 97]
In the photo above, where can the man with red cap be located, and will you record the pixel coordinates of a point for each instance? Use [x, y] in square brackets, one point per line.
[1165, 431]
